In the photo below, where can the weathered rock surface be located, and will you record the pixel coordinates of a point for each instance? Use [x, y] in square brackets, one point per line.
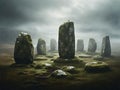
[85, 56]
[106, 47]
[53, 45]
[92, 45]
[71, 69]
[24, 50]
[59, 74]
[48, 65]
[41, 47]
[97, 66]
[80, 45]
[66, 42]
[98, 57]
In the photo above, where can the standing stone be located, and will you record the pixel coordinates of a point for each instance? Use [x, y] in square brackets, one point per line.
[92, 45]
[53, 45]
[24, 50]
[106, 47]
[66, 42]
[80, 45]
[41, 47]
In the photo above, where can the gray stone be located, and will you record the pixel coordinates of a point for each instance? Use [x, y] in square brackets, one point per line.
[41, 47]
[85, 56]
[24, 50]
[70, 69]
[66, 42]
[98, 57]
[80, 45]
[92, 45]
[48, 64]
[106, 47]
[96, 66]
[53, 45]
[59, 74]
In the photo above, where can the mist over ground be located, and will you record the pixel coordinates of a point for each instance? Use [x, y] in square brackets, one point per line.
[42, 18]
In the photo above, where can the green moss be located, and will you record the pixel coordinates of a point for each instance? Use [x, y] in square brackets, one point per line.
[97, 67]
[73, 70]
[30, 78]
[39, 66]
[74, 60]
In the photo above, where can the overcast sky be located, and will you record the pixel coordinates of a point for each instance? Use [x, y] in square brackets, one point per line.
[42, 18]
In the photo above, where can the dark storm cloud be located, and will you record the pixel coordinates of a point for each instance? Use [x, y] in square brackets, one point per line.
[8, 35]
[41, 17]
[103, 18]
[9, 14]
[15, 12]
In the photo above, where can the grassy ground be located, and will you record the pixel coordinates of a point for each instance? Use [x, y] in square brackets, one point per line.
[36, 76]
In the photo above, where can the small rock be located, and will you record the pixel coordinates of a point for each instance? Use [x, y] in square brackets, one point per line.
[98, 57]
[97, 66]
[59, 74]
[48, 65]
[70, 69]
[85, 56]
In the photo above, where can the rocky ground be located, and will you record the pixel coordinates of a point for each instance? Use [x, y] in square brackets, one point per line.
[48, 73]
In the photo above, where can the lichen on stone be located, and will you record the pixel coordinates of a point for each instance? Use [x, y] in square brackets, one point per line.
[41, 47]
[24, 50]
[66, 42]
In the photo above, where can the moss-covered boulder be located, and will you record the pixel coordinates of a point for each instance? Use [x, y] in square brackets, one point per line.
[80, 45]
[41, 47]
[68, 61]
[66, 42]
[53, 45]
[92, 46]
[98, 57]
[97, 66]
[106, 47]
[24, 50]
[59, 74]
[71, 69]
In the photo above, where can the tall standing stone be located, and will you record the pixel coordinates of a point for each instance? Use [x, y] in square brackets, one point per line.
[92, 46]
[106, 47]
[24, 50]
[41, 47]
[53, 45]
[66, 42]
[80, 45]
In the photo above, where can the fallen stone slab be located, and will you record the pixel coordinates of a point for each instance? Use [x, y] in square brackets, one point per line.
[85, 56]
[96, 66]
